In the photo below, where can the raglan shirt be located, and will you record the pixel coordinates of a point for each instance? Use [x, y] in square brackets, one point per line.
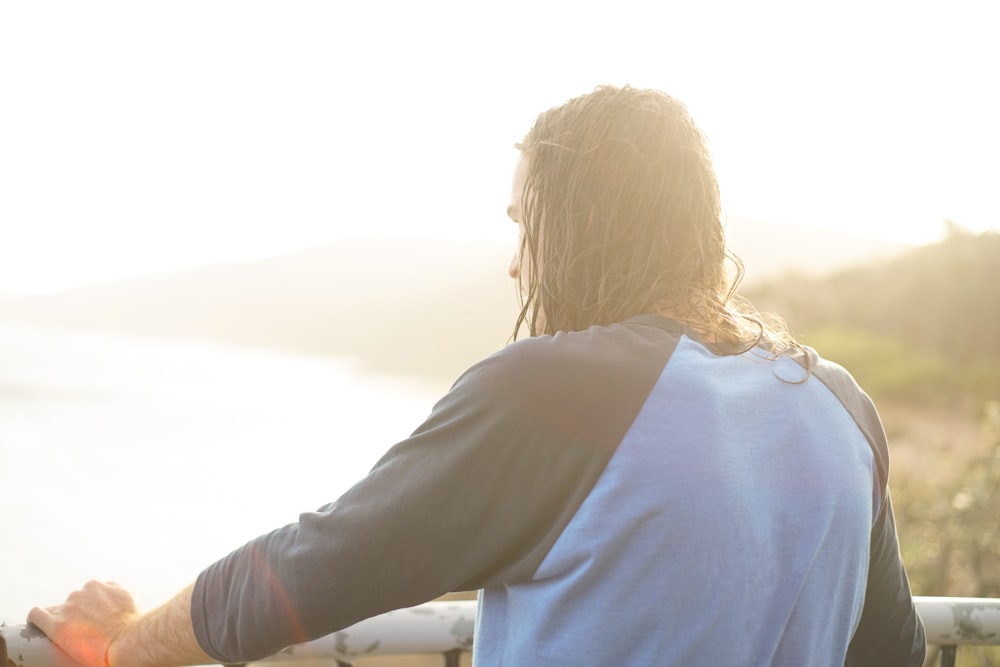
[618, 495]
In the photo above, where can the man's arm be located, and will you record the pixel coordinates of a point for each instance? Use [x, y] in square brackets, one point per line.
[99, 626]
[475, 496]
[890, 631]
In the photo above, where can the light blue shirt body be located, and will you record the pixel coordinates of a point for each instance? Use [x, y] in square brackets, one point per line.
[739, 506]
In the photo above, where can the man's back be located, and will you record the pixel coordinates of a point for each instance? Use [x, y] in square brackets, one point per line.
[731, 526]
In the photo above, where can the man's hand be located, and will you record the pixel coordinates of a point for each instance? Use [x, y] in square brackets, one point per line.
[99, 626]
[88, 622]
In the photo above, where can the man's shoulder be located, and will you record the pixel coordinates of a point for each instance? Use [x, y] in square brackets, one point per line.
[860, 406]
[599, 353]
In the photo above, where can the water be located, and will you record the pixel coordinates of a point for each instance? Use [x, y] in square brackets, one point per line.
[142, 461]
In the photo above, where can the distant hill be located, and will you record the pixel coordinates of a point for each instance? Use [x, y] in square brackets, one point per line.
[943, 298]
[417, 307]
[414, 307]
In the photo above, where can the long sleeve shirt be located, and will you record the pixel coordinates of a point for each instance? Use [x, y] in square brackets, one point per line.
[619, 495]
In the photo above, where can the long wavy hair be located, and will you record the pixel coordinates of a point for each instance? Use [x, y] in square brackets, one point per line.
[622, 216]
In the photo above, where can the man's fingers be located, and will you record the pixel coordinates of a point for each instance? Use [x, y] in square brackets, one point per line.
[43, 618]
[85, 623]
[99, 585]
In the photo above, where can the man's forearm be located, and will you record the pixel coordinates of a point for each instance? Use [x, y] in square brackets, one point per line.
[161, 637]
[99, 626]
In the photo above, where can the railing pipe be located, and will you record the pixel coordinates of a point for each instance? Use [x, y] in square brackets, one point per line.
[446, 628]
[953, 621]
[435, 627]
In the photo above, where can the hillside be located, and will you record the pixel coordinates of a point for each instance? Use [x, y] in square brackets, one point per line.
[943, 298]
[417, 307]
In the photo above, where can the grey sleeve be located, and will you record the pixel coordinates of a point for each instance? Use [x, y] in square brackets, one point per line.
[890, 631]
[477, 495]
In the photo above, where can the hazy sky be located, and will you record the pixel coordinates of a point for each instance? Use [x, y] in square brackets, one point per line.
[141, 136]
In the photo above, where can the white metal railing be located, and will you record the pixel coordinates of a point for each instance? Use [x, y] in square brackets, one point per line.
[447, 628]
[951, 622]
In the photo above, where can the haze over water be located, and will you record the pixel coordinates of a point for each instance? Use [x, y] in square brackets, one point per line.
[142, 461]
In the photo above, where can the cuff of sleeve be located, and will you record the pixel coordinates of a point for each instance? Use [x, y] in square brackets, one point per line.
[200, 620]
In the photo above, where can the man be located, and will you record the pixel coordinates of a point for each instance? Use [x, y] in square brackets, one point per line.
[656, 476]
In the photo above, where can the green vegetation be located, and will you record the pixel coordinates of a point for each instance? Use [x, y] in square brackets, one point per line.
[947, 524]
[893, 369]
[951, 542]
[942, 299]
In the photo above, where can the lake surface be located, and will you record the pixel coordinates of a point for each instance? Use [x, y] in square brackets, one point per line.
[142, 461]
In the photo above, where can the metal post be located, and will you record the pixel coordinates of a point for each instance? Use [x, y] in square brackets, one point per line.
[948, 656]
[451, 657]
